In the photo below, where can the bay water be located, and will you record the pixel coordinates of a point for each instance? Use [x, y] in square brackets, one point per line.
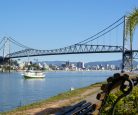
[17, 91]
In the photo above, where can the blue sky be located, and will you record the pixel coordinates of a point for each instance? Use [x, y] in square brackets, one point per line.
[50, 24]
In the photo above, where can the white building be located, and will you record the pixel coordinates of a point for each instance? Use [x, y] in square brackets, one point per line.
[113, 67]
[21, 64]
[46, 66]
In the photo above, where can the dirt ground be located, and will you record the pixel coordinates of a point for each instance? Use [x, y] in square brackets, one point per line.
[58, 106]
[54, 107]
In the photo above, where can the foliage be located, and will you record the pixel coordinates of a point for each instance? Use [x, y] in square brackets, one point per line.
[126, 106]
[131, 23]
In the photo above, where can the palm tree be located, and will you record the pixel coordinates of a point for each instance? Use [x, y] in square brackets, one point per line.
[131, 24]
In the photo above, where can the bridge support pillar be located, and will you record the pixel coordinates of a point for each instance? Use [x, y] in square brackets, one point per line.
[127, 55]
[128, 61]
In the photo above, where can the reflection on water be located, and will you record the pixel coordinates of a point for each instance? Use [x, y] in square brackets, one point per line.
[15, 90]
[33, 82]
[34, 79]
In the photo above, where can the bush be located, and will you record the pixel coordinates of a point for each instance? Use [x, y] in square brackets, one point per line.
[126, 106]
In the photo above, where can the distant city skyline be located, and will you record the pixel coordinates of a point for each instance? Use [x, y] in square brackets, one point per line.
[72, 66]
[50, 24]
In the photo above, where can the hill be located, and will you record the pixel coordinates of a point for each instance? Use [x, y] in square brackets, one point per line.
[114, 62]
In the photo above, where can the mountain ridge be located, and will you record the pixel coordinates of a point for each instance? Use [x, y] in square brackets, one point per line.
[113, 62]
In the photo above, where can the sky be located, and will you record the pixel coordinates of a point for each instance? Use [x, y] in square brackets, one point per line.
[51, 24]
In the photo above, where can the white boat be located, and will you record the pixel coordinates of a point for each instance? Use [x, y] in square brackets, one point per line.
[33, 74]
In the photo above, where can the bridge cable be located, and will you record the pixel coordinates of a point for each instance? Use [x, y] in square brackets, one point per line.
[3, 44]
[86, 40]
[104, 33]
[99, 35]
[18, 44]
[102, 30]
[2, 40]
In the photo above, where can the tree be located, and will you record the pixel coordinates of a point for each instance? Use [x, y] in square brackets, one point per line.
[131, 24]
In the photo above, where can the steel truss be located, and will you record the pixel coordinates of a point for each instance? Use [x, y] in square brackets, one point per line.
[129, 57]
[73, 49]
[135, 55]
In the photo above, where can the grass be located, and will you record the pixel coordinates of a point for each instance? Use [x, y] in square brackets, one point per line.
[61, 96]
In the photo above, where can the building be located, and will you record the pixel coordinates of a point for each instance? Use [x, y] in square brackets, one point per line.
[80, 65]
[67, 64]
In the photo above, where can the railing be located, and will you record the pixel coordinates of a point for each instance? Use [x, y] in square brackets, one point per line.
[125, 83]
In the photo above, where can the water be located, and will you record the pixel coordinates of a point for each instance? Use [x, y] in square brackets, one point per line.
[16, 91]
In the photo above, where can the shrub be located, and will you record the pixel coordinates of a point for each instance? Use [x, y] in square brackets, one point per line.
[126, 106]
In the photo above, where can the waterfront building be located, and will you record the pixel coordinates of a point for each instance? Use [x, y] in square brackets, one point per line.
[46, 66]
[102, 68]
[80, 65]
[137, 67]
[66, 69]
[21, 65]
[72, 67]
[40, 65]
[107, 67]
[113, 67]
[67, 64]
[53, 67]
[97, 67]
[63, 65]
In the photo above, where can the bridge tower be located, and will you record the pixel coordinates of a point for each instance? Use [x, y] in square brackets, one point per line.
[127, 54]
[6, 50]
[6, 47]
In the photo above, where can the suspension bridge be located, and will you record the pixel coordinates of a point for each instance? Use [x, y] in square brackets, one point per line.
[102, 42]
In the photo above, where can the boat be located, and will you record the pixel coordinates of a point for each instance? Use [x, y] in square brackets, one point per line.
[33, 74]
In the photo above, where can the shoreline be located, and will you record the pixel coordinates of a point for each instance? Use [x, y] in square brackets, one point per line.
[76, 71]
[59, 101]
